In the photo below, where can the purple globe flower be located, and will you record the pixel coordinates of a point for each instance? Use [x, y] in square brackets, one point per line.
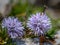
[39, 23]
[14, 27]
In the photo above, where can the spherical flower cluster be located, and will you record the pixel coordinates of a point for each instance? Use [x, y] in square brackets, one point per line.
[14, 27]
[39, 23]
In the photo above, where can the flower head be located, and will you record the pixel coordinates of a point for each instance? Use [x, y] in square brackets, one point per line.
[39, 23]
[14, 27]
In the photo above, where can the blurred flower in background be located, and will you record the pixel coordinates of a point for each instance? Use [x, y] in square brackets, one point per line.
[39, 23]
[14, 26]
